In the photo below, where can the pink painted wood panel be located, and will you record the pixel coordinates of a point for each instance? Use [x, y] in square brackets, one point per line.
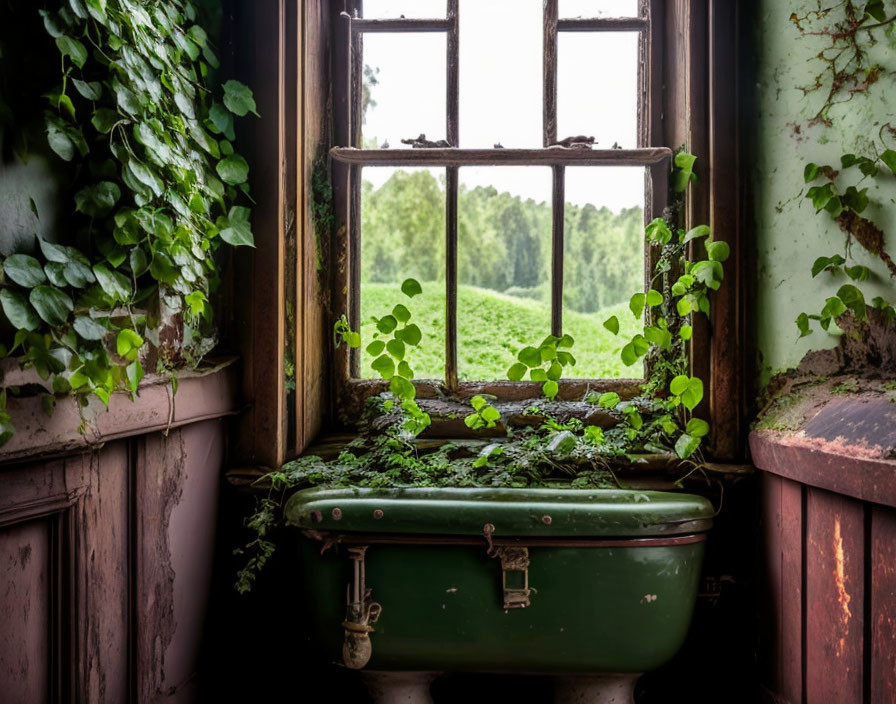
[24, 616]
[883, 605]
[835, 545]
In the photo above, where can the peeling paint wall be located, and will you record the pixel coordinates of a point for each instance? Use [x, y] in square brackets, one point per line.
[789, 236]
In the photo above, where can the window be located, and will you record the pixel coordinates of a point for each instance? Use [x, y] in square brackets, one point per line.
[515, 218]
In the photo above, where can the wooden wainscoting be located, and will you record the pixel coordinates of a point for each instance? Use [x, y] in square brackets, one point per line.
[105, 554]
[829, 613]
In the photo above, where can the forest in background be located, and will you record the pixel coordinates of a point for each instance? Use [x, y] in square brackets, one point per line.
[504, 247]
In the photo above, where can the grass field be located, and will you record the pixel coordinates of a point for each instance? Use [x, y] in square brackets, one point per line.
[492, 328]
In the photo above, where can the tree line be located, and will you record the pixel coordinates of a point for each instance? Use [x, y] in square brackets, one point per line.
[504, 242]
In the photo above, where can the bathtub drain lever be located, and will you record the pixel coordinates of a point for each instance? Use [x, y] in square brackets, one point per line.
[360, 615]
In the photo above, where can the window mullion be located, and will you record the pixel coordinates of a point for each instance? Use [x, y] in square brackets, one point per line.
[550, 72]
[557, 212]
[451, 192]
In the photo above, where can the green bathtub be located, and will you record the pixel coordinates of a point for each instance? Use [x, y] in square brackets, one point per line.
[496, 580]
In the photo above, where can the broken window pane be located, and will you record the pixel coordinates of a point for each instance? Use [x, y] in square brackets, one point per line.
[403, 236]
[597, 87]
[403, 88]
[603, 265]
[504, 266]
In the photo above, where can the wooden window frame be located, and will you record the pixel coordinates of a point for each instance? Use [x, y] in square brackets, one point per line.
[285, 53]
[348, 161]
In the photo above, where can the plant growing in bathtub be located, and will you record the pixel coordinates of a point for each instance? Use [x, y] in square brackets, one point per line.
[659, 420]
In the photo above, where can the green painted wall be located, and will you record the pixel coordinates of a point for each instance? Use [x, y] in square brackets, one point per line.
[789, 236]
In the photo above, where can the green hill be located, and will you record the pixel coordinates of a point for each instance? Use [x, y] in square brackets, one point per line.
[492, 328]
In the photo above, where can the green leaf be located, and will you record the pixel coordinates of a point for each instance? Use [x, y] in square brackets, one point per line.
[831, 263]
[491, 414]
[833, 308]
[402, 388]
[697, 428]
[115, 284]
[659, 337]
[612, 324]
[238, 98]
[97, 200]
[163, 269]
[658, 231]
[375, 348]
[90, 91]
[18, 310]
[889, 158]
[686, 446]
[128, 344]
[386, 324]
[858, 272]
[853, 299]
[802, 322]
[24, 270]
[238, 230]
[222, 119]
[530, 356]
[538, 374]
[233, 169]
[51, 304]
[699, 231]
[688, 389]
[875, 9]
[410, 334]
[134, 373]
[71, 47]
[89, 329]
[396, 349]
[478, 402]
[820, 196]
[404, 369]
[384, 366]
[550, 388]
[517, 371]
[608, 400]
[77, 274]
[636, 304]
[104, 120]
[810, 173]
[411, 288]
[855, 199]
[61, 143]
[685, 332]
[401, 313]
[565, 342]
[654, 298]
[634, 350]
[718, 251]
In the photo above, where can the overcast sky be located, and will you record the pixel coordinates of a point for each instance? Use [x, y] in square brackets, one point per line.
[501, 91]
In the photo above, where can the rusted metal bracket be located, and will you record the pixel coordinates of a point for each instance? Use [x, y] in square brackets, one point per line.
[515, 560]
[360, 615]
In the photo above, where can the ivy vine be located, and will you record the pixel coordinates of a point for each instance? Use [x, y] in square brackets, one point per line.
[846, 207]
[158, 189]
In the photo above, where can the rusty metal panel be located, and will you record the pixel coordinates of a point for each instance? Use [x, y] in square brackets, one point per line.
[835, 542]
[883, 605]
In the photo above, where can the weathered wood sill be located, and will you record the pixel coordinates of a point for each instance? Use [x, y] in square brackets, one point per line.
[203, 394]
[836, 467]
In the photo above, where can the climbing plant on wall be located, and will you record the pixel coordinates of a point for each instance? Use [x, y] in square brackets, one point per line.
[159, 189]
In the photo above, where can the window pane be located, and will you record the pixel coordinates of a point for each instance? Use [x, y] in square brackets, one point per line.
[404, 88]
[598, 8]
[504, 264]
[391, 9]
[597, 87]
[603, 265]
[402, 236]
[501, 73]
